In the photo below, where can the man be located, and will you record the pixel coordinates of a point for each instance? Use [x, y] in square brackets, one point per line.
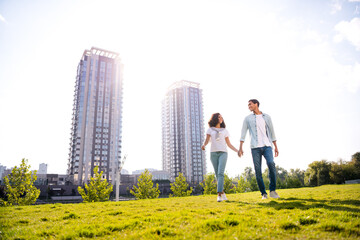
[262, 134]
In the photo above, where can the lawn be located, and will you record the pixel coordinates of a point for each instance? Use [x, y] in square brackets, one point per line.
[326, 212]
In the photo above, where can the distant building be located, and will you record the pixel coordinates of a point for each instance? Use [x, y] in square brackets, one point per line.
[160, 175]
[124, 171]
[183, 132]
[6, 172]
[51, 179]
[96, 131]
[2, 169]
[143, 170]
[42, 168]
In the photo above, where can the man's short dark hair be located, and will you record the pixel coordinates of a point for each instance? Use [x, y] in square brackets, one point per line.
[255, 101]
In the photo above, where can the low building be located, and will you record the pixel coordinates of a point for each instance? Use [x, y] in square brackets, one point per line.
[51, 179]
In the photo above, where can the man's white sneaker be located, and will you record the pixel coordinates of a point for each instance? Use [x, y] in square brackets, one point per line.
[264, 196]
[219, 198]
[223, 197]
[273, 194]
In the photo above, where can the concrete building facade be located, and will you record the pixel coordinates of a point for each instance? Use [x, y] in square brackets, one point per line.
[183, 132]
[42, 168]
[96, 131]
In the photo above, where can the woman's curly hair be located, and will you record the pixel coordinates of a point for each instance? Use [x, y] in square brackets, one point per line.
[214, 120]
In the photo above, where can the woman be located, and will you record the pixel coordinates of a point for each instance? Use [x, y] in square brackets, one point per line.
[218, 152]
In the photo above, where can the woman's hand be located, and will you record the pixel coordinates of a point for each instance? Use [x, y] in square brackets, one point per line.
[241, 152]
[206, 141]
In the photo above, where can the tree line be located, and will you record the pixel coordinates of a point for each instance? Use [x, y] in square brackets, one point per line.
[20, 190]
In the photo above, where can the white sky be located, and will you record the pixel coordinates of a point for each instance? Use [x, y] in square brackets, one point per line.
[300, 59]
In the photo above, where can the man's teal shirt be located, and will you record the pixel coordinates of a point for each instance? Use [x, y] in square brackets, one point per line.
[250, 124]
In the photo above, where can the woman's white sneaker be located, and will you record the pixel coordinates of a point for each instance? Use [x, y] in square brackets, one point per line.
[273, 194]
[223, 197]
[219, 199]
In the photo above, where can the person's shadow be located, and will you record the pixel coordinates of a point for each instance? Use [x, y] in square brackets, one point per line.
[304, 203]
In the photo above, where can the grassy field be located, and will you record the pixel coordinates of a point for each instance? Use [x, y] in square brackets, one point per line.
[326, 212]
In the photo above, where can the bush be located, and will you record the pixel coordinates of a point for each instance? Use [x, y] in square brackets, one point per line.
[98, 189]
[145, 187]
[209, 184]
[19, 186]
[180, 187]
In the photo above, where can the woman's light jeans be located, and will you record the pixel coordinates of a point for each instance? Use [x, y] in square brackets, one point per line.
[218, 160]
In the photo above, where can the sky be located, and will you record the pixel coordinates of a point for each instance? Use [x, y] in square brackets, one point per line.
[300, 59]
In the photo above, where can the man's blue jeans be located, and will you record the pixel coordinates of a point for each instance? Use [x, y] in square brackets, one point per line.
[218, 160]
[257, 153]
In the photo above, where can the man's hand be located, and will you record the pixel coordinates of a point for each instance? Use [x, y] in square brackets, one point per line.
[276, 152]
[203, 147]
[276, 149]
[240, 152]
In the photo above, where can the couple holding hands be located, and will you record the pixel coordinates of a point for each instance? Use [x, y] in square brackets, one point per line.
[262, 136]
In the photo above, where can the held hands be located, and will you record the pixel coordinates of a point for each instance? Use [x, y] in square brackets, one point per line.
[240, 152]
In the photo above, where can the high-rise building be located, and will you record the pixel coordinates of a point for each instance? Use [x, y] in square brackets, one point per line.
[97, 116]
[42, 168]
[183, 132]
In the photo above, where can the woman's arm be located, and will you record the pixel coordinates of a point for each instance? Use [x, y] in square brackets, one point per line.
[206, 141]
[229, 144]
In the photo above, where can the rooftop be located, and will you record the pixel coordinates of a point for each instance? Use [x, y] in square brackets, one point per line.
[101, 52]
[184, 83]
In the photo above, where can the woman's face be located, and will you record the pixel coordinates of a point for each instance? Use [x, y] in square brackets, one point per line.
[220, 119]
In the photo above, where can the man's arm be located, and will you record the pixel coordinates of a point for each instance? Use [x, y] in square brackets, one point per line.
[276, 149]
[242, 138]
[244, 130]
[271, 128]
[241, 152]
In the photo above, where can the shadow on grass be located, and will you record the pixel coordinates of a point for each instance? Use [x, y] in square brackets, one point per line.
[344, 202]
[297, 203]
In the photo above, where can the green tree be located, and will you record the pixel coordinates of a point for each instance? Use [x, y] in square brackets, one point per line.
[297, 177]
[281, 176]
[209, 184]
[342, 170]
[229, 187]
[355, 163]
[98, 189]
[19, 185]
[248, 174]
[243, 185]
[145, 187]
[249, 177]
[180, 187]
[338, 173]
[318, 173]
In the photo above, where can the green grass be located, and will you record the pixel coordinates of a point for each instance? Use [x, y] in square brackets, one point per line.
[326, 212]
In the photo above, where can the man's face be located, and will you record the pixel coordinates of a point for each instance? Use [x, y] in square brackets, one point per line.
[252, 106]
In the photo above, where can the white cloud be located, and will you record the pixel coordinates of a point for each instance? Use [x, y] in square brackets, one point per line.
[353, 79]
[354, 0]
[349, 31]
[335, 6]
[2, 19]
[311, 35]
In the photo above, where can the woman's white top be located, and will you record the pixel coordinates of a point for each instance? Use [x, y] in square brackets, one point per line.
[219, 144]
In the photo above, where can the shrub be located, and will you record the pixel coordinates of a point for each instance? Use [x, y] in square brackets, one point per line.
[145, 187]
[19, 186]
[180, 187]
[98, 189]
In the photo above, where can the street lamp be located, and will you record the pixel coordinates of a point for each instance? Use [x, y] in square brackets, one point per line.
[118, 170]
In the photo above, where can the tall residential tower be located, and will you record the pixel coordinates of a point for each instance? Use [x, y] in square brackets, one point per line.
[183, 132]
[97, 116]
